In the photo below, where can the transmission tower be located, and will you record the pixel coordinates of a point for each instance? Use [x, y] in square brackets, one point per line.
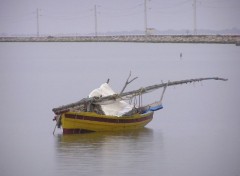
[95, 20]
[145, 16]
[194, 17]
[37, 16]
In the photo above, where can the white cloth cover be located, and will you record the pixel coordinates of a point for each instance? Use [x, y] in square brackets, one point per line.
[117, 108]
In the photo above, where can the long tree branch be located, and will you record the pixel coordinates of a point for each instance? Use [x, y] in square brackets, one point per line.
[100, 100]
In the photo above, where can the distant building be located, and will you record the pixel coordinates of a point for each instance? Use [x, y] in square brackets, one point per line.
[151, 31]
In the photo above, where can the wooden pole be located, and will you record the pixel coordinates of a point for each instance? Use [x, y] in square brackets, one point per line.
[37, 22]
[95, 20]
[57, 122]
[144, 90]
[153, 87]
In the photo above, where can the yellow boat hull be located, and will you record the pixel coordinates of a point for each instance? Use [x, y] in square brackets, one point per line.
[78, 122]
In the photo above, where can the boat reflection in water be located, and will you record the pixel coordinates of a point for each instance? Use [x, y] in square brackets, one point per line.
[109, 153]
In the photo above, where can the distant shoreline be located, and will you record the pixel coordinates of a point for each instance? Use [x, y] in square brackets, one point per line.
[215, 39]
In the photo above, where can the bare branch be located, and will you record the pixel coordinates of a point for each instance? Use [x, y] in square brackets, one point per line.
[127, 82]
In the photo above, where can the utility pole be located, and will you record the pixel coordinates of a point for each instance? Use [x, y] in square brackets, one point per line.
[37, 15]
[95, 14]
[194, 17]
[145, 16]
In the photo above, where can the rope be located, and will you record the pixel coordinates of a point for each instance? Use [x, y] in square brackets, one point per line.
[135, 101]
[142, 90]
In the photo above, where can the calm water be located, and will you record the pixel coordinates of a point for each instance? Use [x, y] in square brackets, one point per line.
[197, 132]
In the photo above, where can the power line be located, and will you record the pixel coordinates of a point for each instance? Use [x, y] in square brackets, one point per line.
[123, 9]
[171, 6]
[122, 15]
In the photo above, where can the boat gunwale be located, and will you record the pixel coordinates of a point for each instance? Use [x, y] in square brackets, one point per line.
[108, 119]
[93, 114]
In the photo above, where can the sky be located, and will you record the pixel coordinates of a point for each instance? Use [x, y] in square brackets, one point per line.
[58, 17]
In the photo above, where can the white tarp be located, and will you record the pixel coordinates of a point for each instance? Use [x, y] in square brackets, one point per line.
[117, 108]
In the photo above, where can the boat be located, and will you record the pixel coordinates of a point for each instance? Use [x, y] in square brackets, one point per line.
[106, 110]
[80, 122]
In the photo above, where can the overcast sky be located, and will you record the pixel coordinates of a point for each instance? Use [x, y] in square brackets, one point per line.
[77, 16]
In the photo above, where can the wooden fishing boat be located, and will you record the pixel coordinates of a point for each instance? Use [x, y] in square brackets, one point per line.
[79, 122]
[105, 110]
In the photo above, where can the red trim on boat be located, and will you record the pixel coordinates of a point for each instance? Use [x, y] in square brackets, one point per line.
[75, 131]
[102, 119]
